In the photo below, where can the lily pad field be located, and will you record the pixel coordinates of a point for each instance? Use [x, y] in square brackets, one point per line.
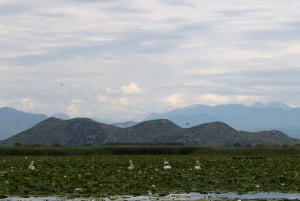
[86, 172]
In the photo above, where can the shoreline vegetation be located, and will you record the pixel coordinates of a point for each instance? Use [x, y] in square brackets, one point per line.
[147, 149]
[103, 171]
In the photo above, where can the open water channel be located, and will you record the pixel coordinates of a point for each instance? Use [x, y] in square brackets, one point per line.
[171, 197]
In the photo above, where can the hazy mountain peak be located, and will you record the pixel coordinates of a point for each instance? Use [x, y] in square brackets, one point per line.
[4, 109]
[259, 116]
[13, 121]
[258, 105]
[278, 105]
[125, 124]
[271, 105]
[61, 116]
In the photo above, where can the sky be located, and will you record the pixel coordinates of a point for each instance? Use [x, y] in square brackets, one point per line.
[121, 60]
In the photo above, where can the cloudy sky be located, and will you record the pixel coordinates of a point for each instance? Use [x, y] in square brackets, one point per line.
[123, 59]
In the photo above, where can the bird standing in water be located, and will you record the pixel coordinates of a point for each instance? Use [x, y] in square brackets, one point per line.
[198, 166]
[31, 166]
[167, 166]
[131, 165]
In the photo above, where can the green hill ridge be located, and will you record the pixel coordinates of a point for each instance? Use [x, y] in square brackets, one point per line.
[87, 132]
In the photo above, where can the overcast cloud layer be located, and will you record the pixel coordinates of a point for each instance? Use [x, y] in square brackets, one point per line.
[123, 59]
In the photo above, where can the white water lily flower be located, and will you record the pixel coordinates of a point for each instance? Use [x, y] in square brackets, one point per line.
[79, 189]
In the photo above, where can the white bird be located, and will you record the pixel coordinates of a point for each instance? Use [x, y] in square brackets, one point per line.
[167, 166]
[31, 166]
[131, 165]
[198, 166]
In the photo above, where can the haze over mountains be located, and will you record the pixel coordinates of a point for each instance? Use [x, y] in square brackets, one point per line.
[14, 121]
[258, 117]
[273, 116]
[87, 132]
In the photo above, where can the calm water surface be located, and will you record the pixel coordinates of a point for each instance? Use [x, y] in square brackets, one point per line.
[177, 197]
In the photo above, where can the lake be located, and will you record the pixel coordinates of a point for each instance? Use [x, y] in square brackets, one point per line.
[171, 197]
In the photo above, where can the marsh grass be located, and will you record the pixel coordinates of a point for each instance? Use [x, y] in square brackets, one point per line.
[107, 174]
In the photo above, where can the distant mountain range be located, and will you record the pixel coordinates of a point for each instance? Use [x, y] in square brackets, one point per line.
[125, 124]
[273, 116]
[14, 121]
[87, 132]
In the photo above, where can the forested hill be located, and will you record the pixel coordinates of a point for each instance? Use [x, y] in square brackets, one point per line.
[83, 132]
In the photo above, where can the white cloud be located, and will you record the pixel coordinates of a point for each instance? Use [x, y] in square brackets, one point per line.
[3, 103]
[27, 104]
[206, 71]
[216, 99]
[124, 101]
[175, 100]
[73, 109]
[102, 99]
[131, 88]
[166, 52]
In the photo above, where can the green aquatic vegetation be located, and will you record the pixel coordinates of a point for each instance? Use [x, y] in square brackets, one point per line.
[100, 175]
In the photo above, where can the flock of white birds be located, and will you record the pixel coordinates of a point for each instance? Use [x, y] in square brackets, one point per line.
[166, 166]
